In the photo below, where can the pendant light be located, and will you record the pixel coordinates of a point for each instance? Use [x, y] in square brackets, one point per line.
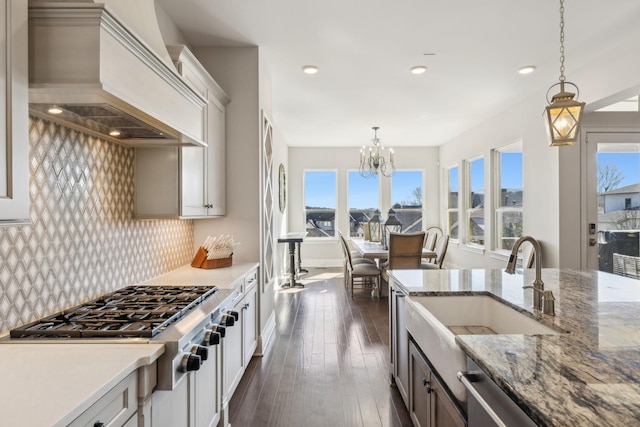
[563, 115]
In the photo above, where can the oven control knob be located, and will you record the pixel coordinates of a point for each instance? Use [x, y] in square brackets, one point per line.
[235, 314]
[211, 337]
[227, 320]
[190, 362]
[201, 351]
[219, 329]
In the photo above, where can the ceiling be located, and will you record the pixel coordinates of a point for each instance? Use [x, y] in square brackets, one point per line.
[365, 48]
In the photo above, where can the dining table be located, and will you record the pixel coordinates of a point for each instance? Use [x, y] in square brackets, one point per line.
[376, 251]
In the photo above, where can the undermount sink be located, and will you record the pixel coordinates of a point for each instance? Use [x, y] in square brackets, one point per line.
[434, 322]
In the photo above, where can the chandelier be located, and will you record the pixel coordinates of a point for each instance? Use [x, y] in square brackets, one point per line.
[373, 162]
[562, 116]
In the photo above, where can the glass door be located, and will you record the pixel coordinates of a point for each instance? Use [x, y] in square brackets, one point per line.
[613, 213]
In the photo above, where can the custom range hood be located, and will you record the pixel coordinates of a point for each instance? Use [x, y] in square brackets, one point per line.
[102, 67]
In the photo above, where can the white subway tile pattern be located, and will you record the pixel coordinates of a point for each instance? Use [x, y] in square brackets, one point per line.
[84, 240]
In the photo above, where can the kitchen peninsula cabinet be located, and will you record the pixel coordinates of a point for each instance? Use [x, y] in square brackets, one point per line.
[14, 119]
[399, 338]
[429, 402]
[187, 182]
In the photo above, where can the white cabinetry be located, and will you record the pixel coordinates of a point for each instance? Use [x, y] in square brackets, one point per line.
[250, 318]
[14, 118]
[186, 182]
[119, 406]
[240, 340]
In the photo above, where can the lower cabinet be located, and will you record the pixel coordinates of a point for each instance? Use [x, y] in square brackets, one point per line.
[250, 318]
[399, 341]
[117, 408]
[429, 402]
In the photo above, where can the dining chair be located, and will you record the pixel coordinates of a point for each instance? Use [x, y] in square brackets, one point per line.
[361, 272]
[350, 256]
[441, 251]
[405, 252]
[433, 233]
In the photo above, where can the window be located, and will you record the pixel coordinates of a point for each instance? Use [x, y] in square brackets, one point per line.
[508, 197]
[363, 201]
[475, 201]
[406, 199]
[320, 203]
[452, 203]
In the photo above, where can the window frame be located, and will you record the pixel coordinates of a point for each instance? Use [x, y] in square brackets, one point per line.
[448, 208]
[304, 200]
[498, 210]
[379, 208]
[468, 201]
[401, 210]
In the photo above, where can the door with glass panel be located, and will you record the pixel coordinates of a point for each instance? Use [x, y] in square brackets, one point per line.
[613, 197]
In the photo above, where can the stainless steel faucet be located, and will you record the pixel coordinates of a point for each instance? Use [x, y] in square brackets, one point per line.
[539, 294]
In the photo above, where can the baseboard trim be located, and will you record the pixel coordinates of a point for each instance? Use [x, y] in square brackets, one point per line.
[266, 335]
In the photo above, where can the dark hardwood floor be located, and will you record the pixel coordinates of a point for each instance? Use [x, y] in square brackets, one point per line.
[328, 364]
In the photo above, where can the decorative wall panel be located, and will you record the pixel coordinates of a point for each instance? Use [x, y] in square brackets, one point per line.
[83, 241]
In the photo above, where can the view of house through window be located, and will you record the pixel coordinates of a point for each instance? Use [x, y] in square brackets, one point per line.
[508, 197]
[320, 203]
[452, 203]
[364, 199]
[618, 195]
[475, 201]
[406, 199]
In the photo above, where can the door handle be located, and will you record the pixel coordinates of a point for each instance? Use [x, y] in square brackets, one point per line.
[593, 241]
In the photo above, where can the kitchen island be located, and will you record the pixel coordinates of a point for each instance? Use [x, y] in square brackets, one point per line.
[589, 376]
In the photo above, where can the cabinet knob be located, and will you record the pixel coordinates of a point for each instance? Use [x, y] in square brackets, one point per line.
[427, 385]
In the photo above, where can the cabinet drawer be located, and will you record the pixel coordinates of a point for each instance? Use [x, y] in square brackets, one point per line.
[250, 280]
[115, 409]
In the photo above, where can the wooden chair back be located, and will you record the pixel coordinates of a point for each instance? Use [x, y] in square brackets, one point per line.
[405, 250]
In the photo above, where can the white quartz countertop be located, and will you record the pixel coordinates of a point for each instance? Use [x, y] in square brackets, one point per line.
[223, 278]
[588, 377]
[48, 384]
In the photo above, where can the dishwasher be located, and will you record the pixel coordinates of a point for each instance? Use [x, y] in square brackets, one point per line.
[487, 405]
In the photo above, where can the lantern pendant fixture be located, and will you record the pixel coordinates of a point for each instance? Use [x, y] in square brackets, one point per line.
[563, 115]
[375, 232]
[391, 225]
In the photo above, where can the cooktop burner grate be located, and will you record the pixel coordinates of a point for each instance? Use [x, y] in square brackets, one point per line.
[134, 311]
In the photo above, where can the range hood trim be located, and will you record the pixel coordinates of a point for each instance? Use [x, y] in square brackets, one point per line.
[50, 25]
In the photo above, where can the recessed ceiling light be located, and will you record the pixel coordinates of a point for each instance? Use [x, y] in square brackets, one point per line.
[418, 69]
[114, 133]
[527, 69]
[310, 69]
[54, 110]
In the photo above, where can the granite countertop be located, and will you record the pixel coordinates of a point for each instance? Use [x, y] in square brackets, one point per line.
[589, 376]
[223, 278]
[50, 384]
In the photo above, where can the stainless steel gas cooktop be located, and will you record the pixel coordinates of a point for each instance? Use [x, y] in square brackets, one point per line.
[134, 311]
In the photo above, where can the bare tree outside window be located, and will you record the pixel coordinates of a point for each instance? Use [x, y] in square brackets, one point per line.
[609, 177]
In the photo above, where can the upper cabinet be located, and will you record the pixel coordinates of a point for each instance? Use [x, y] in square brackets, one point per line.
[14, 118]
[187, 182]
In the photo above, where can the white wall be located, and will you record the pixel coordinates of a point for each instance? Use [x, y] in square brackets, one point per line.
[326, 252]
[236, 71]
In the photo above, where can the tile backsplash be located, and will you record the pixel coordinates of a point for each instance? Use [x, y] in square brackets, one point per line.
[84, 240]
